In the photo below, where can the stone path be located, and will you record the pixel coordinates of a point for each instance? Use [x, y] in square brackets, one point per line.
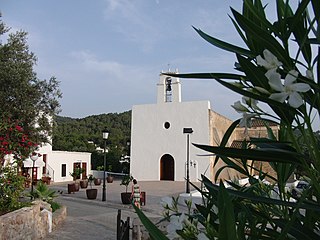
[95, 220]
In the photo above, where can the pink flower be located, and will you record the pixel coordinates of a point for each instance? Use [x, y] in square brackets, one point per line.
[19, 128]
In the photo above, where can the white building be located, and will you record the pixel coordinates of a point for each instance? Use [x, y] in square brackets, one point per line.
[159, 148]
[57, 164]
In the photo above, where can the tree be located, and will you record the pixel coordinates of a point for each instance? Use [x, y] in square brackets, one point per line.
[23, 97]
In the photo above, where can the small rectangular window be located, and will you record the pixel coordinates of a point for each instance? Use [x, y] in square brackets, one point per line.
[63, 170]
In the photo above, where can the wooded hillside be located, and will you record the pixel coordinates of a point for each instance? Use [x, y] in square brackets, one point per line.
[85, 134]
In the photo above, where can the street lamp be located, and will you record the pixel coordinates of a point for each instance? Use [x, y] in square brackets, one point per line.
[105, 135]
[34, 157]
[188, 131]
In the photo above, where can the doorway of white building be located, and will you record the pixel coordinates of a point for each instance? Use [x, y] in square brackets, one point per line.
[167, 167]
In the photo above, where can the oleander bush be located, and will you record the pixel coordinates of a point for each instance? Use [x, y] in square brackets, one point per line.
[279, 67]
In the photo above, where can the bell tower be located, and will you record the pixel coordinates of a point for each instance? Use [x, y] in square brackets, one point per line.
[169, 89]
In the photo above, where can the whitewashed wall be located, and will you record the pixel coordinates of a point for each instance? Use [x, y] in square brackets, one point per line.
[57, 158]
[150, 140]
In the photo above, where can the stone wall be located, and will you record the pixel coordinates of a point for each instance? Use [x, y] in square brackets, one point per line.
[59, 216]
[218, 127]
[32, 223]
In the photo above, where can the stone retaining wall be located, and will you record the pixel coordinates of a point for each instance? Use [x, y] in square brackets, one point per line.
[32, 223]
[59, 216]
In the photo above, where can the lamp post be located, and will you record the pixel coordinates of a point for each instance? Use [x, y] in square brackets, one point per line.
[188, 131]
[105, 135]
[34, 157]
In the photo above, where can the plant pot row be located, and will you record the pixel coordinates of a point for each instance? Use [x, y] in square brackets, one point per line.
[91, 193]
[97, 181]
[73, 187]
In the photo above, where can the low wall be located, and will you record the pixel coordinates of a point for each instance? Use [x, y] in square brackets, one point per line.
[58, 217]
[33, 222]
[99, 174]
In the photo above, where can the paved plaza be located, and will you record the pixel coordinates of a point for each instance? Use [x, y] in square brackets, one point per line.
[94, 219]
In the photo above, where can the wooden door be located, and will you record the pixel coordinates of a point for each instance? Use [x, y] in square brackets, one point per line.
[84, 168]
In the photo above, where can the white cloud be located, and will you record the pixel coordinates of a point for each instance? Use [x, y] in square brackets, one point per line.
[91, 64]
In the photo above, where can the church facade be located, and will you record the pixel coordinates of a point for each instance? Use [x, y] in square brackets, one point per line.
[162, 135]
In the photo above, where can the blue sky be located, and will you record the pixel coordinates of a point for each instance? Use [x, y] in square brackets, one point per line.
[108, 54]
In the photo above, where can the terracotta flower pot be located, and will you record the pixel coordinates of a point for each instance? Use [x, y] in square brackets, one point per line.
[92, 193]
[97, 181]
[109, 179]
[83, 183]
[125, 197]
[77, 187]
[71, 188]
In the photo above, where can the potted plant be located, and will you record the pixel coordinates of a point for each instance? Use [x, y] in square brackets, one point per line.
[84, 183]
[92, 192]
[125, 196]
[100, 168]
[46, 179]
[109, 177]
[97, 181]
[76, 175]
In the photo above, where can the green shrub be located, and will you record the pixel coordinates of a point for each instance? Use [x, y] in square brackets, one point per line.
[55, 206]
[280, 67]
[11, 188]
[45, 194]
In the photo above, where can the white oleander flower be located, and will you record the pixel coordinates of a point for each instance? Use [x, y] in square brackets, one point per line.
[250, 102]
[176, 223]
[246, 120]
[289, 90]
[239, 107]
[269, 61]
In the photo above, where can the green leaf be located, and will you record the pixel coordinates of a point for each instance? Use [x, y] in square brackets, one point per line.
[230, 164]
[155, 233]
[230, 76]
[239, 31]
[253, 73]
[297, 230]
[254, 12]
[267, 155]
[257, 12]
[224, 45]
[258, 199]
[227, 136]
[300, 31]
[227, 223]
[284, 111]
[318, 66]
[316, 9]
[265, 39]
[269, 143]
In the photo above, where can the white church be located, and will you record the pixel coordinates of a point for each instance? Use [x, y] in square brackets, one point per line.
[162, 135]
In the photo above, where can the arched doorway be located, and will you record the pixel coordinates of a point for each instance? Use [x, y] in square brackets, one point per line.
[167, 167]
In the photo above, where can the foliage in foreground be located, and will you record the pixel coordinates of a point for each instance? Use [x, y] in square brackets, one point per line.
[43, 193]
[27, 105]
[24, 98]
[11, 188]
[271, 71]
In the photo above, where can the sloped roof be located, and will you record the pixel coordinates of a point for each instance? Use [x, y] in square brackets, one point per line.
[261, 123]
[236, 144]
